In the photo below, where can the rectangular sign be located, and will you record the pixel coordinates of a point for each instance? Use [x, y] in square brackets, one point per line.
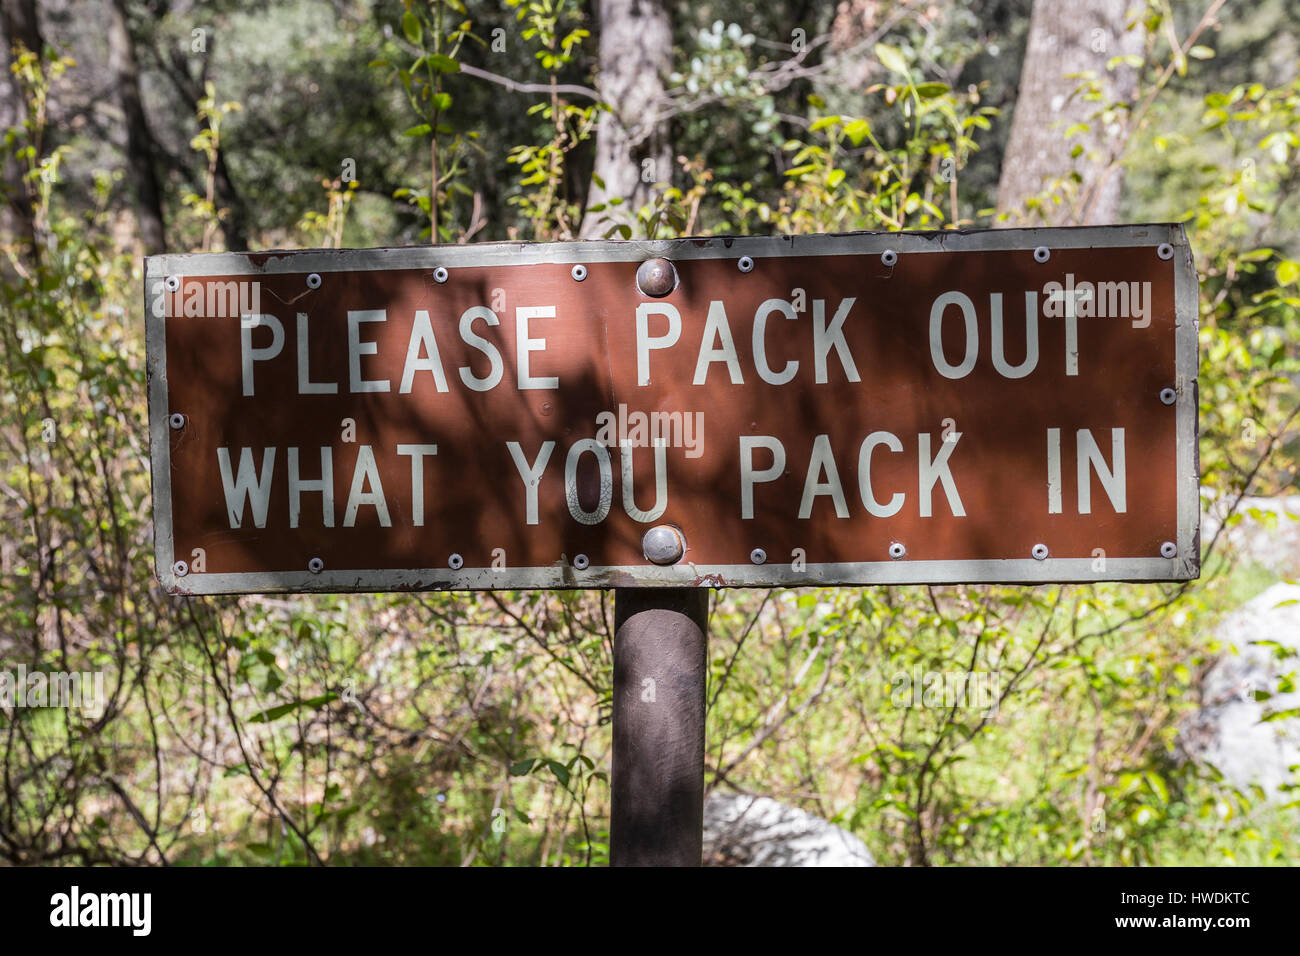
[1011, 405]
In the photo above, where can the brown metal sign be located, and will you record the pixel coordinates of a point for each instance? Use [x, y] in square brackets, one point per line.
[1010, 405]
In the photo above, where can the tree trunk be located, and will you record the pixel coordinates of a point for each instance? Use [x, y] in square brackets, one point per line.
[18, 25]
[139, 141]
[633, 151]
[234, 227]
[1068, 37]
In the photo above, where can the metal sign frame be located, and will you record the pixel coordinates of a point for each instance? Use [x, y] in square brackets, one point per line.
[563, 575]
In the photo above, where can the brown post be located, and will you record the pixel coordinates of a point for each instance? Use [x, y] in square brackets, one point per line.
[660, 654]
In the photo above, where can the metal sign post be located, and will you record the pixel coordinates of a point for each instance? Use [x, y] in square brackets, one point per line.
[660, 656]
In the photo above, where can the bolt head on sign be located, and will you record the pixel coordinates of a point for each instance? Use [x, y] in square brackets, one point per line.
[656, 277]
[479, 417]
[663, 545]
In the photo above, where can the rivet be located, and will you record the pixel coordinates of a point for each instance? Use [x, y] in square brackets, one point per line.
[581, 562]
[758, 556]
[1039, 552]
[440, 274]
[1165, 250]
[455, 562]
[1168, 396]
[656, 277]
[745, 264]
[180, 569]
[889, 257]
[313, 281]
[663, 544]
[315, 565]
[1042, 254]
[579, 272]
[176, 420]
[172, 283]
[1168, 550]
[896, 550]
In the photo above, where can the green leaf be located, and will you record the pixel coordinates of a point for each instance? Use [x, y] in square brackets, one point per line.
[443, 63]
[411, 27]
[891, 58]
[280, 710]
[521, 767]
[1280, 715]
[857, 130]
[834, 178]
[420, 129]
[928, 91]
[1158, 785]
[561, 772]
[1126, 59]
[262, 850]
[1287, 272]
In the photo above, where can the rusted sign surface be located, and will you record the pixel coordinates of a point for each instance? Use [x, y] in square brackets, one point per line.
[1011, 405]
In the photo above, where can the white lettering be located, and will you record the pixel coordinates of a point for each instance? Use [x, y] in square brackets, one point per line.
[247, 354]
[749, 476]
[531, 474]
[474, 340]
[760, 344]
[645, 342]
[417, 453]
[525, 345]
[357, 348]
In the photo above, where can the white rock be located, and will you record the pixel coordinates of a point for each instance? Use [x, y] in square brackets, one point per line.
[1226, 732]
[1276, 548]
[742, 830]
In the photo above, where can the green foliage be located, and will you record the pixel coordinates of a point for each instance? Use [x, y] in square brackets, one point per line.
[208, 142]
[436, 33]
[543, 195]
[457, 729]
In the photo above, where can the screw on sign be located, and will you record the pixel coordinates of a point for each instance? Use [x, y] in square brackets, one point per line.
[681, 414]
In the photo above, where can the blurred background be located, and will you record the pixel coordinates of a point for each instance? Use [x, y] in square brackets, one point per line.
[1134, 724]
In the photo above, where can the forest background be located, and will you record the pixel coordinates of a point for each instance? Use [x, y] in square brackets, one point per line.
[472, 729]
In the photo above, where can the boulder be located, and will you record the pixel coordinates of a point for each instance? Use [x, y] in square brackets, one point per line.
[1228, 731]
[1267, 535]
[743, 830]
